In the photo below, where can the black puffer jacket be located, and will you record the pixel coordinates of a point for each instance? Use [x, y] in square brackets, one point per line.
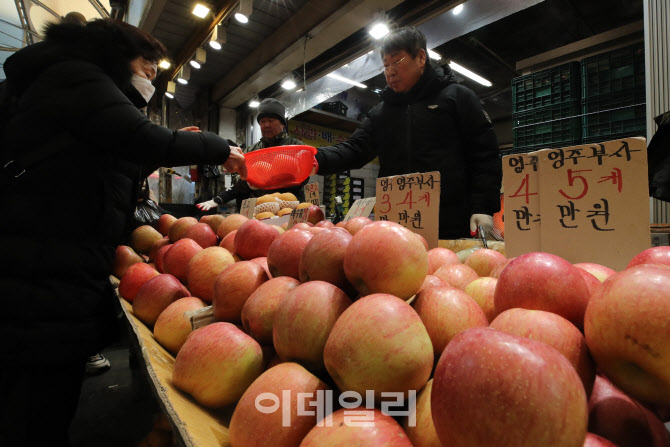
[438, 126]
[61, 222]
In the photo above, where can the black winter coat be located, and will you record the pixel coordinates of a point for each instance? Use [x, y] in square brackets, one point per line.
[61, 222]
[438, 126]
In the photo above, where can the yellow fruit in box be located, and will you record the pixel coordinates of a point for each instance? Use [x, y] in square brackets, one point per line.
[264, 215]
[303, 205]
[284, 211]
[265, 199]
[276, 194]
[287, 197]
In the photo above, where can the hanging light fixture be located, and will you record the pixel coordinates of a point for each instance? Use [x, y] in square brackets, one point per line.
[201, 10]
[379, 26]
[199, 58]
[164, 64]
[218, 37]
[171, 88]
[184, 75]
[254, 103]
[244, 11]
[289, 83]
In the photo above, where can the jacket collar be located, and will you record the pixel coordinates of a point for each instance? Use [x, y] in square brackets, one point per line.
[433, 79]
[276, 140]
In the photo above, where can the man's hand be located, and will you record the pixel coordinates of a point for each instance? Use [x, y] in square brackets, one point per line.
[191, 129]
[208, 205]
[236, 162]
[480, 219]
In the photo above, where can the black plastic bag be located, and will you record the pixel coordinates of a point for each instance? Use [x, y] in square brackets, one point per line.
[658, 153]
[147, 212]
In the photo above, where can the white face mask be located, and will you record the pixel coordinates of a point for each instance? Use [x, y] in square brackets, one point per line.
[143, 86]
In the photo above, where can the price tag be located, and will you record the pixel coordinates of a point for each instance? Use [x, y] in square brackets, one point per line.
[247, 208]
[201, 317]
[361, 207]
[413, 201]
[522, 204]
[298, 216]
[312, 193]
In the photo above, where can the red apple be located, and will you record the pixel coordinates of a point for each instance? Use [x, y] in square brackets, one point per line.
[124, 258]
[164, 223]
[482, 290]
[143, 237]
[422, 431]
[493, 388]
[543, 281]
[380, 344]
[302, 226]
[303, 320]
[591, 281]
[315, 214]
[263, 262]
[553, 330]
[160, 243]
[385, 257]
[228, 242]
[253, 239]
[446, 312]
[260, 308]
[285, 426]
[229, 224]
[653, 255]
[456, 275]
[340, 224]
[357, 427]
[324, 224]
[622, 420]
[172, 326]
[217, 364]
[483, 261]
[437, 257]
[626, 328]
[323, 258]
[599, 271]
[356, 223]
[203, 270]
[432, 281]
[180, 226]
[234, 286]
[422, 239]
[134, 278]
[202, 234]
[284, 253]
[495, 273]
[596, 441]
[155, 296]
[176, 259]
[213, 220]
[160, 257]
[316, 230]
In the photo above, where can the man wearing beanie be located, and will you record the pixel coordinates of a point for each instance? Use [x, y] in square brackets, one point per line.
[272, 119]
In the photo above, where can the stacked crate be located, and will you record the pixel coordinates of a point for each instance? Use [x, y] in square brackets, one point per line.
[348, 188]
[613, 95]
[547, 109]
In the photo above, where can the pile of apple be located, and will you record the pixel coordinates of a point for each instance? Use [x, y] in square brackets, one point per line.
[529, 351]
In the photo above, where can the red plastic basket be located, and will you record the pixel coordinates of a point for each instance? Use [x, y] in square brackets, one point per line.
[280, 166]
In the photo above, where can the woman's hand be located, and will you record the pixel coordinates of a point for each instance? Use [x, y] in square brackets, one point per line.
[191, 129]
[236, 162]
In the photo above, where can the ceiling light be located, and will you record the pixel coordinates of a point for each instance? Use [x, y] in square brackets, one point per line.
[434, 55]
[244, 11]
[254, 103]
[465, 72]
[347, 80]
[379, 30]
[200, 10]
[195, 64]
[289, 84]
[457, 10]
[218, 37]
[184, 74]
[371, 51]
[169, 95]
[171, 87]
[164, 64]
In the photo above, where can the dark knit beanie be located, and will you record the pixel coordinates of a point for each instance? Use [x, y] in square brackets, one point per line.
[271, 108]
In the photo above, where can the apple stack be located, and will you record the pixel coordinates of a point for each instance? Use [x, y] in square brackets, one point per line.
[530, 351]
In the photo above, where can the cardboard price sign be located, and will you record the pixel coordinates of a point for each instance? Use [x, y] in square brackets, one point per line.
[584, 203]
[522, 204]
[361, 207]
[413, 201]
[297, 216]
[247, 208]
[312, 193]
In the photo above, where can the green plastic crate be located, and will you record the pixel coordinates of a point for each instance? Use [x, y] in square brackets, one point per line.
[557, 133]
[546, 88]
[616, 123]
[616, 71]
[543, 114]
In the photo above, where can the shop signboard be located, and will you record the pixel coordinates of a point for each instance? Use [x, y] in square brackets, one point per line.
[413, 201]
